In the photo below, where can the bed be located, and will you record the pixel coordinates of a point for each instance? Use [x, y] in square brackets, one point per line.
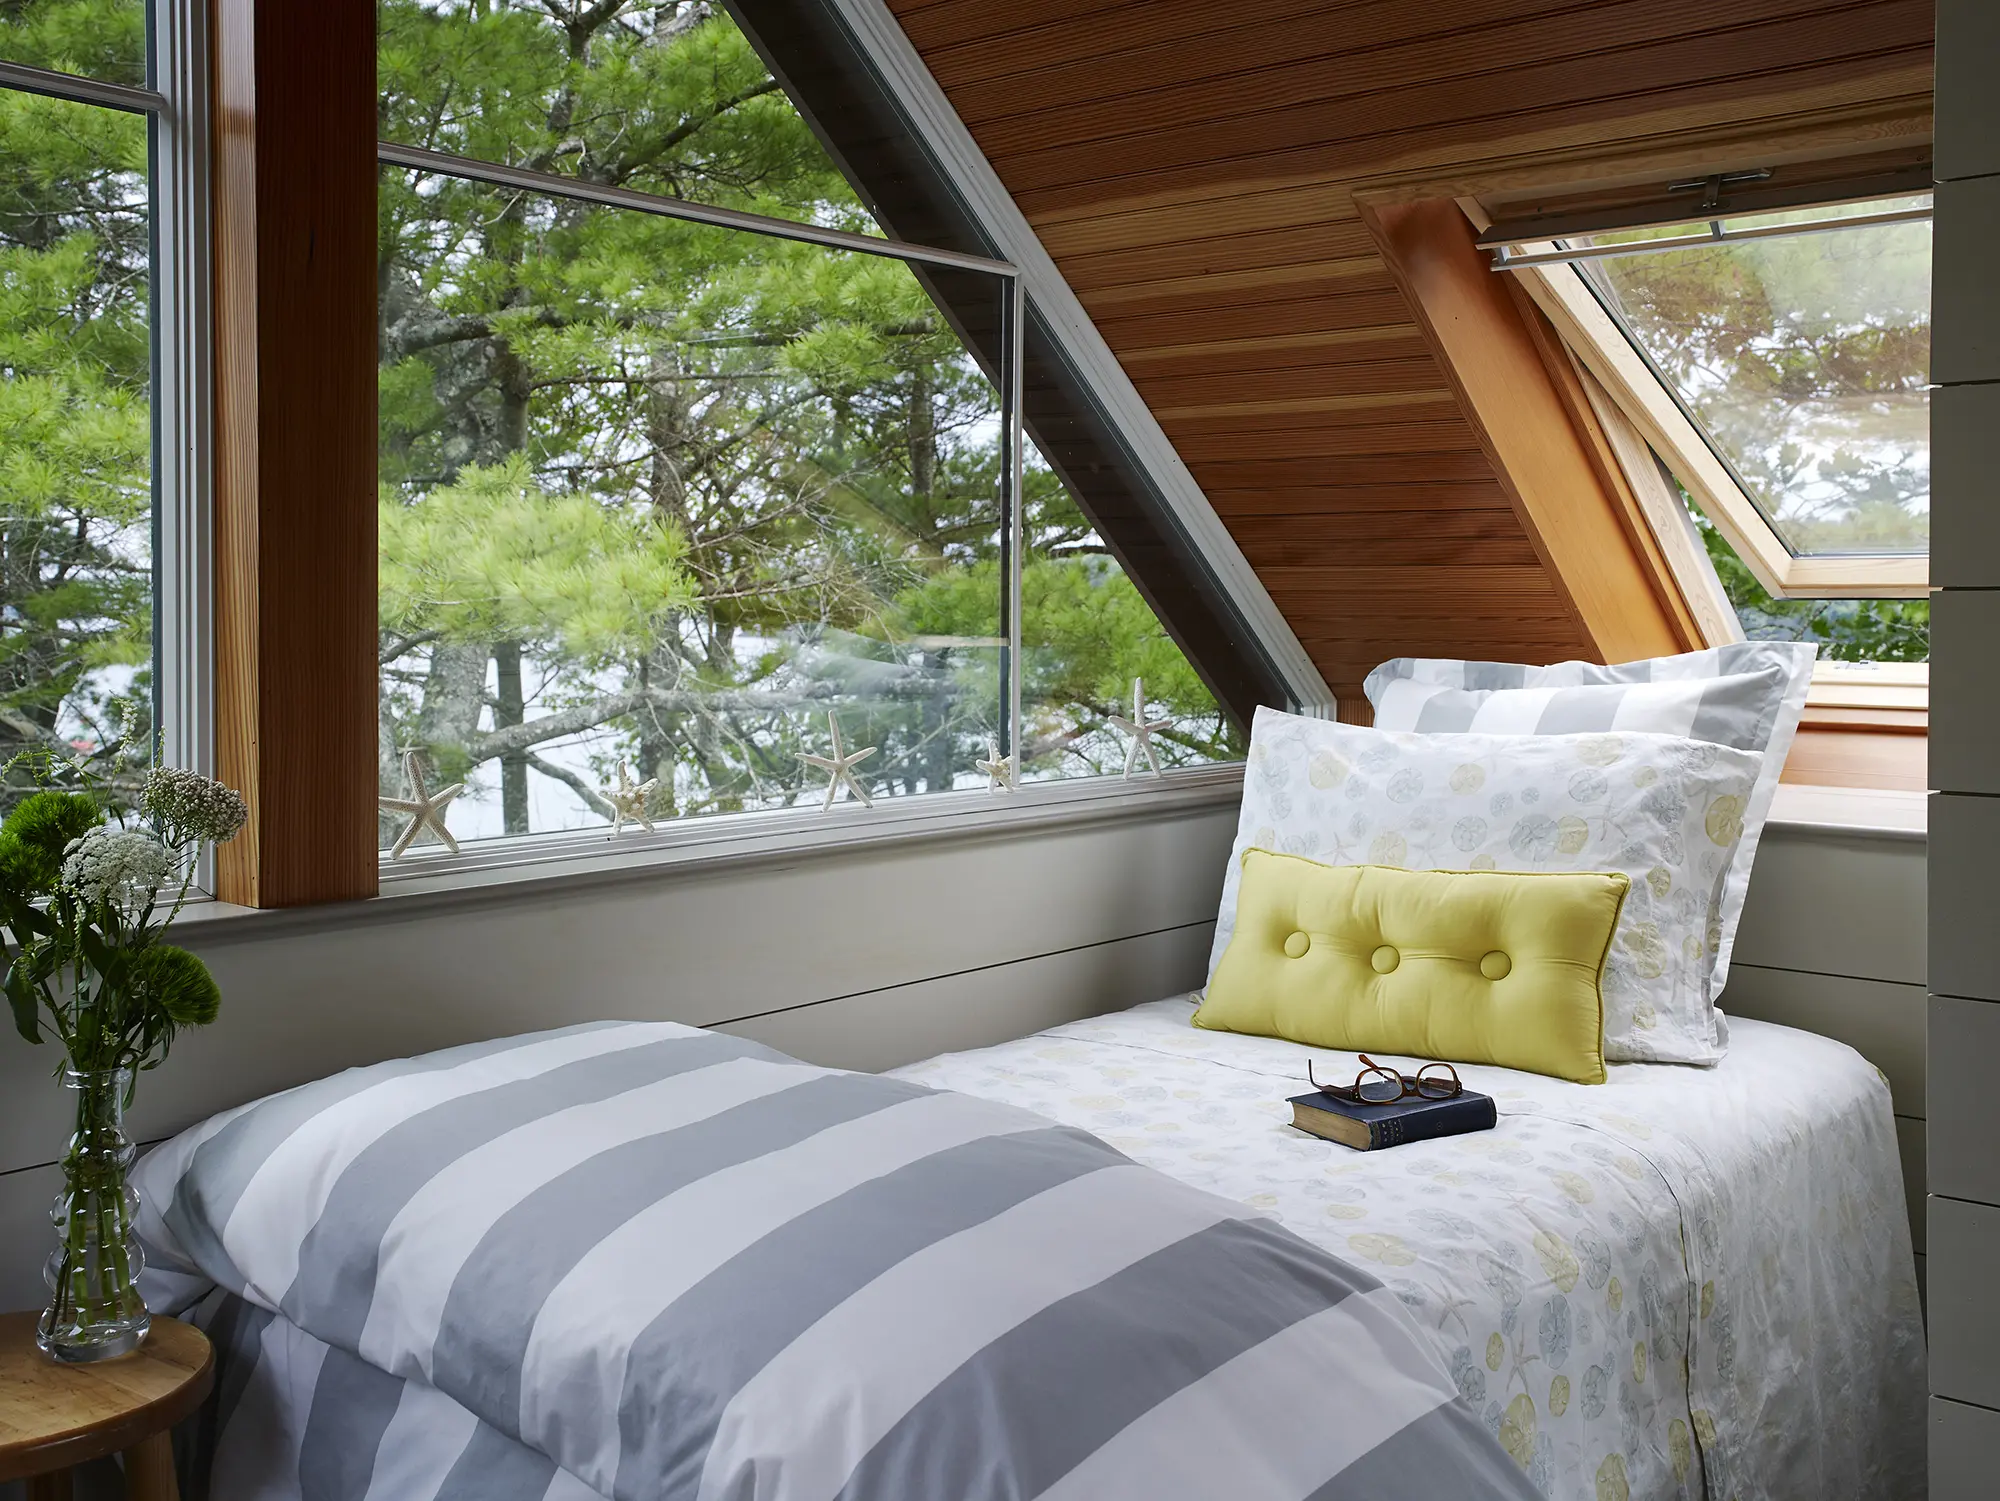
[1683, 1283]
[654, 1263]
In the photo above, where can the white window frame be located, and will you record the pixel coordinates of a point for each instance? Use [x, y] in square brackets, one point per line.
[1558, 288]
[176, 105]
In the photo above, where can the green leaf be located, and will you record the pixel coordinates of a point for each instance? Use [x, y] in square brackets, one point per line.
[24, 998]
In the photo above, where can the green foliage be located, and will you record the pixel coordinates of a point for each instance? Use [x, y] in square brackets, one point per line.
[676, 491]
[75, 482]
[87, 902]
[176, 982]
[36, 832]
[1847, 630]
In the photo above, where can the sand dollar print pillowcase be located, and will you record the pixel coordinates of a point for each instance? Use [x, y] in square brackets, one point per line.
[1665, 810]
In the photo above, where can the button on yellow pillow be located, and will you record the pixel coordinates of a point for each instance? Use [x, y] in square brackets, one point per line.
[1473, 966]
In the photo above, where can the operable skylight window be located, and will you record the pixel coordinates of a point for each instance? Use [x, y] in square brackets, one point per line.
[1802, 358]
[1777, 362]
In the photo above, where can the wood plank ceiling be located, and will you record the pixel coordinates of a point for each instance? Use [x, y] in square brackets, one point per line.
[1196, 171]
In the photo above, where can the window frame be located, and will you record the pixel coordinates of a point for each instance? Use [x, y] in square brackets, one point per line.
[175, 104]
[1642, 394]
[757, 830]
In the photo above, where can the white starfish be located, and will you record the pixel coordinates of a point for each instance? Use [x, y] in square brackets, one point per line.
[1141, 729]
[840, 767]
[999, 769]
[426, 808]
[628, 801]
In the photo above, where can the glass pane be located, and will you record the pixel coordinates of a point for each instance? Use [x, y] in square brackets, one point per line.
[661, 96]
[101, 39]
[76, 498]
[1803, 358]
[1847, 630]
[662, 495]
[1086, 634]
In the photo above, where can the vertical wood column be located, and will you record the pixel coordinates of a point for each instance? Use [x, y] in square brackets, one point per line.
[295, 629]
[1964, 1041]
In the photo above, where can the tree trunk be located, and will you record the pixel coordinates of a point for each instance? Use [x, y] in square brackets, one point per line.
[509, 708]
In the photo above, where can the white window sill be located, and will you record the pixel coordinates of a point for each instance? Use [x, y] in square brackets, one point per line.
[1875, 812]
[432, 879]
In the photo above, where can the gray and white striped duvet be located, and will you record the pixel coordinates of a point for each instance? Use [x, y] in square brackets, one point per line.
[644, 1260]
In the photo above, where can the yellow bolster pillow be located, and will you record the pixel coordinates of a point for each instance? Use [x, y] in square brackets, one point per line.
[1476, 966]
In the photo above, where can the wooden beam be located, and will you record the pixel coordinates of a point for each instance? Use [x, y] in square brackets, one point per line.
[295, 623]
[1552, 472]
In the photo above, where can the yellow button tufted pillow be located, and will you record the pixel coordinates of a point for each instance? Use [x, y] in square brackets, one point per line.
[1474, 966]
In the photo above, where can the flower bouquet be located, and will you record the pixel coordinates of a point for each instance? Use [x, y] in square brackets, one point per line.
[88, 891]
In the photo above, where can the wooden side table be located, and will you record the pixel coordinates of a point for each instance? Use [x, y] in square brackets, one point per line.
[55, 1416]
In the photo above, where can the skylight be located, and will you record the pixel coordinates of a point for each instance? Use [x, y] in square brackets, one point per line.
[1800, 355]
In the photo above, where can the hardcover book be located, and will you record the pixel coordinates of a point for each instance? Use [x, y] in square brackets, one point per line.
[1366, 1127]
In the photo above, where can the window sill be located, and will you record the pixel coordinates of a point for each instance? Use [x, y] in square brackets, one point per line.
[1875, 812]
[432, 880]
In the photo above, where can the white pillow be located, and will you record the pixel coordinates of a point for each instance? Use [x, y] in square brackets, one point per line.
[1664, 809]
[1748, 695]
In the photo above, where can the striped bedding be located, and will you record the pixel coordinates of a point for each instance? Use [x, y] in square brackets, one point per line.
[642, 1260]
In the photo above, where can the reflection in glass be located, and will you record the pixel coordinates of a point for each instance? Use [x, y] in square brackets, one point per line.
[1803, 359]
[76, 495]
[100, 39]
[663, 494]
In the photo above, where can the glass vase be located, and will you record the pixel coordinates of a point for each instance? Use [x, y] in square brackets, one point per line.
[95, 1311]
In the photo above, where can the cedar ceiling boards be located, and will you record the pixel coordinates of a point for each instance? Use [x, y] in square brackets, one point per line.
[1200, 172]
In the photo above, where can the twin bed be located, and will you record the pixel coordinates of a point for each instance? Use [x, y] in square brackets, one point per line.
[640, 1261]
[1678, 1284]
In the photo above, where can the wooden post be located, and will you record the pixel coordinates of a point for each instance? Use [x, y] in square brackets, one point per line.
[295, 544]
[1541, 439]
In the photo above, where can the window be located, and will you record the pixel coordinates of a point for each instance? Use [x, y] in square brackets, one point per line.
[1777, 362]
[680, 455]
[100, 342]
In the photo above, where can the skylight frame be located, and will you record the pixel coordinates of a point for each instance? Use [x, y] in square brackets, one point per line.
[1548, 272]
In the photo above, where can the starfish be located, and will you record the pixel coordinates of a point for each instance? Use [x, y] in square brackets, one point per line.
[1141, 729]
[426, 808]
[628, 800]
[999, 769]
[840, 767]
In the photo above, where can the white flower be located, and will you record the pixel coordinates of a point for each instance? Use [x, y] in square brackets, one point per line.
[188, 806]
[108, 863]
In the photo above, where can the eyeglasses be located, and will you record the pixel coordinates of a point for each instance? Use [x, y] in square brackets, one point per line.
[1376, 1085]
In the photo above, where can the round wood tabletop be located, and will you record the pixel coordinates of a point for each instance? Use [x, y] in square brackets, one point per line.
[53, 1416]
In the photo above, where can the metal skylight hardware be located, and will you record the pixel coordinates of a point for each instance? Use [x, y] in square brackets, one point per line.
[1506, 258]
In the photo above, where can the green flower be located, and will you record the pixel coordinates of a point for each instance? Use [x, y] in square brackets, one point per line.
[36, 834]
[177, 982]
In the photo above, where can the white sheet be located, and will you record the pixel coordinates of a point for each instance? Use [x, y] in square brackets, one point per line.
[1568, 1261]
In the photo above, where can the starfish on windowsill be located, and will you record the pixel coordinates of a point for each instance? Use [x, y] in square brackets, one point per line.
[840, 767]
[999, 769]
[1141, 729]
[426, 808]
[628, 801]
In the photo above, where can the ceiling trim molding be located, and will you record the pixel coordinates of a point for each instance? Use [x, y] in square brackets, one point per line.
[882, 39]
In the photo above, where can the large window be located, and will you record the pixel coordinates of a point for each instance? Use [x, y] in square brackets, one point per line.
[681, 456]
[99, 273]
[1777, 361]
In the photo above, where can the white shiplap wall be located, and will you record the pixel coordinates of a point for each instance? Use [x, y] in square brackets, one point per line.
[1965, 635]
[876, 958]
[866, 958]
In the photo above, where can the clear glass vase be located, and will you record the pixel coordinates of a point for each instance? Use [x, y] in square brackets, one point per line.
[95, 1311]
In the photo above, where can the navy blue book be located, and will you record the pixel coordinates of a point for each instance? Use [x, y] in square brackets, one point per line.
[1367, 1127]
